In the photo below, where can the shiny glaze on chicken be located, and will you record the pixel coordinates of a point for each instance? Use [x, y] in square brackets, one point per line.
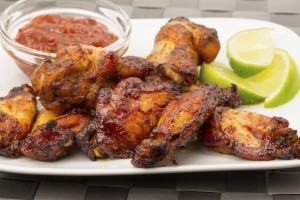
[181, 119]
[125, 115]
[53, 135]
[250, 135]
[17, 113]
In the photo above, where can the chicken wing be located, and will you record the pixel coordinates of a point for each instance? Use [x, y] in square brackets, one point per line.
[250, 135]
[177, 48]
[17, 112]
[181, 119]
[73, 78]
[125, 115]
[52, 135]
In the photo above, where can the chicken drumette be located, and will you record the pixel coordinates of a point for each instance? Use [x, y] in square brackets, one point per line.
[52, 135]
[180, 120]
[17, 112]
[179, 47]
[125, 115]
[250, 135]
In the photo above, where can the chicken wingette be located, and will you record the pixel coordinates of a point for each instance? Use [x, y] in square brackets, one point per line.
[52, 135]
[124, 116]
[250, 135]
[17, 113]
[180, 120]
[179, 47]
[74, 76]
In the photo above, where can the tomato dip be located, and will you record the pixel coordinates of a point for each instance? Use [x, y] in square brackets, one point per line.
[51, 32]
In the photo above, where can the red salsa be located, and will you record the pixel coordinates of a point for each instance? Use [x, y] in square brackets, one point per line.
[51, 32]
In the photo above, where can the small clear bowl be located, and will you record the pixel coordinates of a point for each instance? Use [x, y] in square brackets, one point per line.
[21, 12]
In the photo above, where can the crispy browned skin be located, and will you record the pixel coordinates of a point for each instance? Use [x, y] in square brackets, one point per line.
[177, 47]
[74, 77]
[181, 119]
[206, 39]
[230, 97]
[125, 115]
[52, 136]
[250, 135]
[17, 112]
[133, 66]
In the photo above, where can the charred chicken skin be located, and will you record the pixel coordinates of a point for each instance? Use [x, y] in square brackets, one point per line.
[180, 120]
[53, 135]
[125, 115]
[17, 112]
[177, 48]
[133, 66]
[250, 135]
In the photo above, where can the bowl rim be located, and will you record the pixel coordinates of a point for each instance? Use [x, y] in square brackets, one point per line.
[12, 42]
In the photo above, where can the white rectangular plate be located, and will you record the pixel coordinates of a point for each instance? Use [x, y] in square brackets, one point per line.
[191, 159]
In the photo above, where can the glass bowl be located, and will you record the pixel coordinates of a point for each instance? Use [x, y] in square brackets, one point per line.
[21, 12]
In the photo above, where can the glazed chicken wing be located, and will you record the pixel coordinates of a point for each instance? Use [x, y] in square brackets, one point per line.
[177, 48]
[52, 135]
[74, 77]
[17, 112]
[181, 119]
[250, 135]
[125, 115]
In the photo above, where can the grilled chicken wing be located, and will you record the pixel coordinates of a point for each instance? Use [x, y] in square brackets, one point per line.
[52, 135]
[125, 115]
[250, 135]
[181, 119]
[17, 112]
[177, 48]
[74, 77]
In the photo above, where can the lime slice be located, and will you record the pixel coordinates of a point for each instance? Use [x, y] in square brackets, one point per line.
[218, 73]
[280, 81]
[250, 51]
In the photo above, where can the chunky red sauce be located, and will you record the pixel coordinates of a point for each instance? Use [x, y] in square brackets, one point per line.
[51, 32]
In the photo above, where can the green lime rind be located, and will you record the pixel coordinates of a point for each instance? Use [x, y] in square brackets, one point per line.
[217, 73]
[244, 70]
[289, 87]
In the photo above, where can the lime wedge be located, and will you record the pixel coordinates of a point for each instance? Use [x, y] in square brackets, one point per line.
[218, 73]
[250, 51]
[279, 82]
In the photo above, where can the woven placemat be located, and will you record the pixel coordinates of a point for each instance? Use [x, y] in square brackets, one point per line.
[245, 185]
